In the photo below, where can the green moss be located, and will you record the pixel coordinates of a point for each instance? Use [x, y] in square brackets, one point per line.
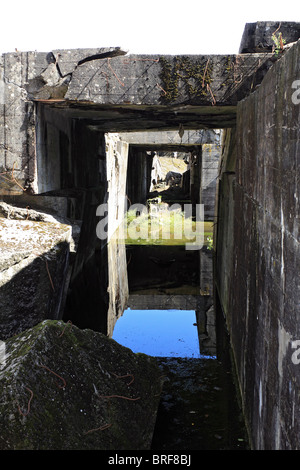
[60, 418]
[163, 229]
[183, 72]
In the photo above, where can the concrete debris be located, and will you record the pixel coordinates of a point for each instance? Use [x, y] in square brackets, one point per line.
[63, 388]
[34, 263]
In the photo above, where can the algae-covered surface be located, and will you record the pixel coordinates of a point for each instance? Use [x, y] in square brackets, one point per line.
[199, 409]
[166, 228]
[62, 388]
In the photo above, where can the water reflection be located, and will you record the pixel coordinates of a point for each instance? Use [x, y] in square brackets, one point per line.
[164, 333]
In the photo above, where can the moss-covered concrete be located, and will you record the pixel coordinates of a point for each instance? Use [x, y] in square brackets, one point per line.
[63, 388]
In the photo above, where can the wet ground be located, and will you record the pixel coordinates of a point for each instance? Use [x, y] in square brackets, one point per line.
[199, 409]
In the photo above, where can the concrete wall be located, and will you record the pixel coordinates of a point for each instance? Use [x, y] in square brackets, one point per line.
[17, 119]
[258, 253]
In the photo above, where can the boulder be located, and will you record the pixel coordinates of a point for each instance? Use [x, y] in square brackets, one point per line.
[63, 388]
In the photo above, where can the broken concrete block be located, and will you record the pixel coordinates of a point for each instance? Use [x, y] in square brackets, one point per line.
[34, 260]
[19, 213]
[63, 388]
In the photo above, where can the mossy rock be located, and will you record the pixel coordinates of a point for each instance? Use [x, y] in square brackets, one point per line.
[63, 388]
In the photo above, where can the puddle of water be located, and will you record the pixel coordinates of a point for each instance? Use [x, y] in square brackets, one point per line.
[164, 333]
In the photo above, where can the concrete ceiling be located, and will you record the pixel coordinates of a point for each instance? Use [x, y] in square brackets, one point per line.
[141, 118]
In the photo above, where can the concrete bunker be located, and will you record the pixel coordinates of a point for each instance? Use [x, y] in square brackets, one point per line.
[62, 121]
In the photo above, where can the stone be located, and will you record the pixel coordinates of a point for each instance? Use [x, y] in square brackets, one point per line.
[63, 388]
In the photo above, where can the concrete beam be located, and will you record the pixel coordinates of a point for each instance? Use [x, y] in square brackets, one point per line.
[164, 302]
[127, 93]
[186, 137]
[109, 118]
[204, 80]
[166, 147]
[113, 92]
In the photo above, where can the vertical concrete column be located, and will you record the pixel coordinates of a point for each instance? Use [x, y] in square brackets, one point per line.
[209, 173]
[117, 159]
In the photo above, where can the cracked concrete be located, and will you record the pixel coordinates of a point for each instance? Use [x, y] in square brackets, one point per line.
[68, 60]
[113, 91]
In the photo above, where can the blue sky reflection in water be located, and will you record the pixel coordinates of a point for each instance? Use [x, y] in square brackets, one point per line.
[164, 333]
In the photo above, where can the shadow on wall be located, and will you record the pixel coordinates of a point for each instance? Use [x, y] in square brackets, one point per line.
[32, 288]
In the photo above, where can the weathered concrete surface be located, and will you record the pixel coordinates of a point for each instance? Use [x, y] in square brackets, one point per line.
[209, 173]
[51, 140]
[258, 254]
[257, 37]
[68, 60]
[149, 92]
[20, 213]
[148, 140]
[34, 261]
[55, 206]
[63, 388]
[117, 158]
[155, 80]
[161, 301]
[17, 149]
[111, 92]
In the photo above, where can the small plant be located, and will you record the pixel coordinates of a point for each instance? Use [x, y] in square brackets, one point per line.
[278, 43]
[210, 243]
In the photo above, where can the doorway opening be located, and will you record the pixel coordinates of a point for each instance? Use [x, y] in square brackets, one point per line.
[168, 244]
